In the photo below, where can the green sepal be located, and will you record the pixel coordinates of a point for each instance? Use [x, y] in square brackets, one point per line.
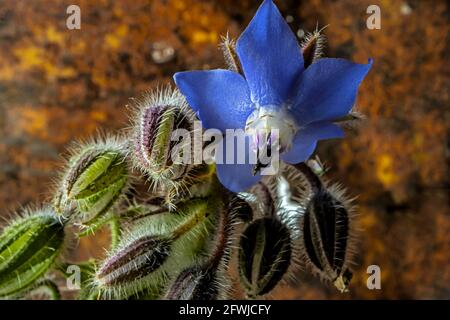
[114, 171]
[99, 203]
[98, 167]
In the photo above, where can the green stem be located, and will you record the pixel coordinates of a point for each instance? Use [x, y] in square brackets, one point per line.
[200, 212]
[116, 232]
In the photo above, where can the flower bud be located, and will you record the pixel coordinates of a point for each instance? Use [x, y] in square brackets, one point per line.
[134, 261]
[165, 162]
[325, 238]
[28, 249]
[264, 255]
[96, 177]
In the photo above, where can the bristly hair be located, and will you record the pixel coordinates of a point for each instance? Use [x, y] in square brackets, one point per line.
[312, 46]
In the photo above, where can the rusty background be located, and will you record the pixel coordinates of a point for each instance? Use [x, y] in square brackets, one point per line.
[57, 85]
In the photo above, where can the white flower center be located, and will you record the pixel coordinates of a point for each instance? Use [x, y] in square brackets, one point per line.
[271, 126]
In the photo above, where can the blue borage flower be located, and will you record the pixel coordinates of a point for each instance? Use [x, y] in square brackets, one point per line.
[277, 92]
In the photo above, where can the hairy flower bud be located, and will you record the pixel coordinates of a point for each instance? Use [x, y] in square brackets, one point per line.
[325, 238]
[28, 248]
[264, 255]
[160, 121]
[96, 177]
[135, 261]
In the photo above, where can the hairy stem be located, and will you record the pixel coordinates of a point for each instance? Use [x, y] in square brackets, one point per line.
[116, 232]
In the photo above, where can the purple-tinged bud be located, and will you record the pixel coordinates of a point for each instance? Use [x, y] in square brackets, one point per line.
[135, 261]
[196, 283]
[161, 119]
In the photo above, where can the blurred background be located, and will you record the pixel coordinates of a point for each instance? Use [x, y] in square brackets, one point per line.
[58, 85]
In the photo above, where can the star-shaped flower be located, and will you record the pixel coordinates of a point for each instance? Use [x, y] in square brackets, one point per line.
[276, 92]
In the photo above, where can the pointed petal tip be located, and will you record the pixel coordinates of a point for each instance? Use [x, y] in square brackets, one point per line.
[366, 67]
[263, 49]
[267, 3]
[180, 76]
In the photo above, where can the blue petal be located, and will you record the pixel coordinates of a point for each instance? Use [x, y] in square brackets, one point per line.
[327, 89]
[305, 140]
[234, 176]
[220, 97]
[270, 56]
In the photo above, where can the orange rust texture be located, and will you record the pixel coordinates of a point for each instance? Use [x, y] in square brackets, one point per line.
[58, 85]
